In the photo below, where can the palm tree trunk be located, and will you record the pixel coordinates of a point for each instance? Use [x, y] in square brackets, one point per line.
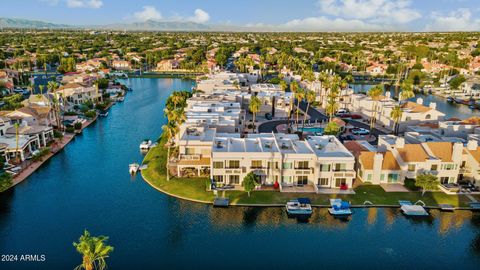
[166, 164]
[298, 109]
[87, 263]
[305, 117]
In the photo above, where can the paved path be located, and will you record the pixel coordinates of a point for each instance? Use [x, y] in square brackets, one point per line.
[315, 115]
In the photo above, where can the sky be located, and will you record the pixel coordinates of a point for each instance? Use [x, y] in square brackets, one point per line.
[297, 15]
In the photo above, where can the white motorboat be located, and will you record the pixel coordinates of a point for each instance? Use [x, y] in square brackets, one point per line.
[300, 206]
[146, 145]
[133, 168]
[339, 208]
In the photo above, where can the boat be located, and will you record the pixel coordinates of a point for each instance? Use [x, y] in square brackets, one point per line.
[413, 210]
[221, 202]
[450, 99]
[339, 208]
[133, 168]
[143, 167]
[300, 206]
[103, 114]
[146, 145]
[120, 99]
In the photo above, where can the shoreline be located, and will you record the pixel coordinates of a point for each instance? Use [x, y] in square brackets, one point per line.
[275, 205]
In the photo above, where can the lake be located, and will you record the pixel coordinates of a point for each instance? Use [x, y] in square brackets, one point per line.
[87, 186]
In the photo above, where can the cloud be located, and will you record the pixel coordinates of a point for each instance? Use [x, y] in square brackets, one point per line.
[85, 3]
[457, 20]
[325, 24]
[152, 13]
[200, 16]
[148, 13]
[380, 11]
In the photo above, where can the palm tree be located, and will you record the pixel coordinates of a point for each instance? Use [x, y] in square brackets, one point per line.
[283, 85]
[16, 125]
[374, 93]
[254, 107]
[40, 87]
[52, 86]
[396, 115]
[407, 91]
[94, 251]
[310, 97]
[169, 131]
[299, 95]
[293, 88]
[176, 99]
[331, 108]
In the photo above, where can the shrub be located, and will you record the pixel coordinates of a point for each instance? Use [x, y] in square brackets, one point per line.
[5, 181]
[78, 125]
[90, 114]
[70, 129]
[57, 134]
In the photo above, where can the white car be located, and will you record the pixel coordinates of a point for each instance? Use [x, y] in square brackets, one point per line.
[360, 131]
[342, 111]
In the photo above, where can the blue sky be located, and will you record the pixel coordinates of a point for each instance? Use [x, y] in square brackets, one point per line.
[320, 15]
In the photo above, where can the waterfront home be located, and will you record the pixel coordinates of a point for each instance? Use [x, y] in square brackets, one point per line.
[42, 135]
[195, 149]
[226, 81]
[19, 147]
[76, 93]
[224, 116]
[470, 169]
[376, 69]
[121, 65]
[33, 115]
[414, 113]
[443, 159]
[168, 65]
[379, 168]
[319, 162]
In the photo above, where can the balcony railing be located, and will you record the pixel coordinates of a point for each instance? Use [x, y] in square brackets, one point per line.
[190, 157]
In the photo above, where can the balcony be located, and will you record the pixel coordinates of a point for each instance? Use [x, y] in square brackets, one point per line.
[190, 157]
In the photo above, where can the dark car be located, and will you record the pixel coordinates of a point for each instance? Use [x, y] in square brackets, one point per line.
[347, 138]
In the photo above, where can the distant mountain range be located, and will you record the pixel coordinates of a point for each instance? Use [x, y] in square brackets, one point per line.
[149, 25]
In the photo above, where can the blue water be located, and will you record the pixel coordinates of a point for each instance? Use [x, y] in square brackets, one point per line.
[311, 129]
[87, 186]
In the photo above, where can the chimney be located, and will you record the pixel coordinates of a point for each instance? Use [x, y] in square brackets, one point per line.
[457, 152]
[420, 101]
[433, 105]
[472, 145]
[400, 142]
[377, 167]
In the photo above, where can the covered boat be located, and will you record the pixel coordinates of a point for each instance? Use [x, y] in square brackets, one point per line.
[339, 208]
[413, 210]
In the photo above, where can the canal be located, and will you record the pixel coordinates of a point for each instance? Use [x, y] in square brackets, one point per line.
[87, 186]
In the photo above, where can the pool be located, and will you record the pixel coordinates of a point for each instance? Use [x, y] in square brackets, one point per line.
[311, 129]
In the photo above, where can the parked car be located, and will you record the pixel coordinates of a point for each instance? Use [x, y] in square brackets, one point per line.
[342, 111]
[355, 116]
[344, 115]
[347, 138]
[360, 131]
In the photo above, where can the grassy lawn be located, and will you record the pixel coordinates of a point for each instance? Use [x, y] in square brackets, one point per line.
[194, 188]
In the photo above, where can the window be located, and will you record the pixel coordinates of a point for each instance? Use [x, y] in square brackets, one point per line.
[392, 178]
[287, 165]
[434, 167]
[234, 179]
[428, 116]
[448, 167]
[340, 181]
[218, 178]
[340, 167]
[218, 164]
[411, 167]
[256, 164]
[287, 179]
[444, 180]
[302, 165]
[382, 177]
[369, 177]
[302, 180]
[324, 167]
[323, 181]
[234, 164]
[272, 165]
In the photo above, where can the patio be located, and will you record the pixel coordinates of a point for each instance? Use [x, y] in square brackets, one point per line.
[394, 188]
[299, 189]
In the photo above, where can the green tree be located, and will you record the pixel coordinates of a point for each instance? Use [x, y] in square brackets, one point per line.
[254, 107]
[396, 115]
[5, 181]
[375, 93]
[310, 97]
[428, 182]
[169, 132]
[94, 251]
[299, 95]
[456, 82]
[250, 181]
[332, 128]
